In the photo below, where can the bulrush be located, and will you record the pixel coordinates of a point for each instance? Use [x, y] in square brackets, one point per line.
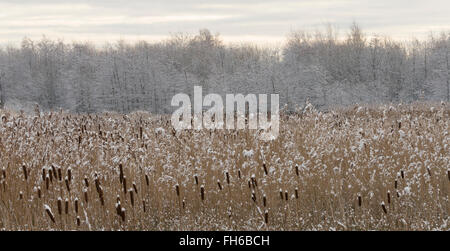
[396, 184]
[448, 175]
[147, 181]
[54, 171]
[296, 170]
[49, 212]
[143, 206]
[239, 173]
[47, 182]
[265, 169]
[131, 197]
[389, 197]
[177, 190]
[39, 192]
[86, 197]
[59, 203]
[78, 221]
[121, 176]
[124, 184]
[25, 172]
[135, 188]
[66, 206]
[4, 173]
[66, 180]
[118, 208]
[219, 185]
[227, 175]
[286, 195]
[43, 174]
[296, 193]
[402, 174]
[76, 205]
[254, 182]
[196, 179]
[281, 194]
[254, 196]
[383, 207]
[20, 195]
[359, 201]
[202, 192]
[50, 172]
[59, 174]
[122, 214]
[86, 181]
[266, 217]
[69, 174]
[264, 200]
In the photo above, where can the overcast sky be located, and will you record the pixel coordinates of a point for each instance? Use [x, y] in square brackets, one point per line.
[261, 21]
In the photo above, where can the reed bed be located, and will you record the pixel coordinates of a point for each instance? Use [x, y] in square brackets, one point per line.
[356, 168]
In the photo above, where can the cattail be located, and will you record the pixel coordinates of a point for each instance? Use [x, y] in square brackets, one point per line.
[121, 176]
[219, 185]
[49, 213]
[253, 196]
[47, 182]
[131, 197]
[78, 221]
[86, 182]
[254, 182]
[39, 192]
[286, 195]
[122, 214]
[54, 171]
[265, 169]
[281, 194]
[4, 173]
[118, 208]
[43, 174]
[25, 173]
[266, 217]
[66, 180]
[359, 200]
[69, 174]
[135, 188]
[448, 175]
[264, 200]
[296, 170]
[402, 174]
[143, 205]
[384, 208]
[124, 183]
[59, 174]
[177, 190]
[202, 192]
[396, 184]
[249, 184]
[76, 205]
[239, 173]
[147, 181]
[389, 197]
[66, 206]
[196, 179]
[59, 206]
[97, 183]
[86, 198]
[50, 172]
[227, 175]
[296, 193]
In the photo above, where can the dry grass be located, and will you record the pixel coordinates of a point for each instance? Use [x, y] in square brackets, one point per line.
[360, 168]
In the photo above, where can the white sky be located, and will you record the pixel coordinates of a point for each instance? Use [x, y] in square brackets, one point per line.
[261, 21]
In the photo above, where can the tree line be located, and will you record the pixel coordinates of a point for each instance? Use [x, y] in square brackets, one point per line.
[323, 67]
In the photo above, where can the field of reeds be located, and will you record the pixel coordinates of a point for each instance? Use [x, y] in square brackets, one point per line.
[356, 168]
